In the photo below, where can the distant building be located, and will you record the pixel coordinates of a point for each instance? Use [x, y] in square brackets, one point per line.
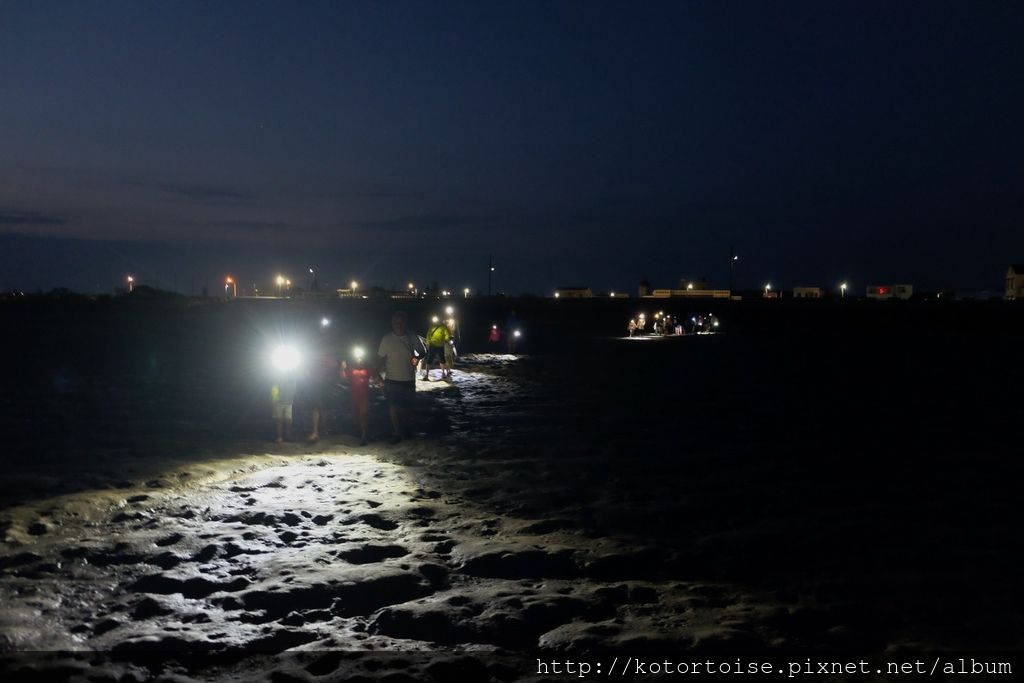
[688, 294]
[694, 284]
[1015, 282]
[807, 292]
[573, 293]
[890, 291]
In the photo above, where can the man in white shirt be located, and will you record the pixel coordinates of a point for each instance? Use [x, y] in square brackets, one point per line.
[397, 358]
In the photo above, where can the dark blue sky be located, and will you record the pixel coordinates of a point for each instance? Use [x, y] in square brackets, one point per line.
[586, 142]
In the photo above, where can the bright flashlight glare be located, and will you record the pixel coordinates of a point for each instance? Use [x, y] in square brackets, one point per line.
[285, 358]
[325, 322]
[358, 353]
[449, 310]
[434, 319]
[518, 333]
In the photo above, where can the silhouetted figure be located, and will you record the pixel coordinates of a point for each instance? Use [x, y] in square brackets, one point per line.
[397, 358]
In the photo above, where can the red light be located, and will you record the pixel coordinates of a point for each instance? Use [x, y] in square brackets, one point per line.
[881, 290]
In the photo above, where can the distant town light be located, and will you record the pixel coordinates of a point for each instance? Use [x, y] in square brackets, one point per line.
[689, 285]
[465, 292]
[517, 333]
[557, 294]
[612, 295]
[280, 280]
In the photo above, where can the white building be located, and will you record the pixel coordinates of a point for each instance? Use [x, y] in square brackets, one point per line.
[688, 294]
[807, 292]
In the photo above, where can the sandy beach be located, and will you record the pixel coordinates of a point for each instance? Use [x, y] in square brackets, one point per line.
[548, 504]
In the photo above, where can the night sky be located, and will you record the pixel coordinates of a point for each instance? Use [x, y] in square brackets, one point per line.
[579, 142]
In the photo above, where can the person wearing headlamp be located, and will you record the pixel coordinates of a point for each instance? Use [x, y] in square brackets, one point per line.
[285, 361]
[358, 377]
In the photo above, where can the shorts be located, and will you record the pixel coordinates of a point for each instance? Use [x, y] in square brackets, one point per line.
[400, 394]
[281, 411]
[435, 354]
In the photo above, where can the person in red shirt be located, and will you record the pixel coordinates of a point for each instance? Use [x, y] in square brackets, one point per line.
[359, 381]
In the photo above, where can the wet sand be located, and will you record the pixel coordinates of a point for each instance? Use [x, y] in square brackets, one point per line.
[707, 495]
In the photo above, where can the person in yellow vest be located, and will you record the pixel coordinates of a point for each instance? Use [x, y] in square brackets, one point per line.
[437, 336]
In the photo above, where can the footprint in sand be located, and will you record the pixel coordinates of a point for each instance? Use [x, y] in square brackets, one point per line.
[369, 554]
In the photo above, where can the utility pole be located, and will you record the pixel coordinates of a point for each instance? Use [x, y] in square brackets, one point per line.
[732, 269]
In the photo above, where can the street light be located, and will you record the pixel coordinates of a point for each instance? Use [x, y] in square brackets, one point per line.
[131, 283]
[355, 285]
[280, 283]
[767, 288]
[465, 293]
[842, 290]
[230, 282]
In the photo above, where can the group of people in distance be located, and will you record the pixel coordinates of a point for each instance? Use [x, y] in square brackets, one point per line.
[512, 333]
[440, 342]
[664, 324]
[669, 325]
[400, 356]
